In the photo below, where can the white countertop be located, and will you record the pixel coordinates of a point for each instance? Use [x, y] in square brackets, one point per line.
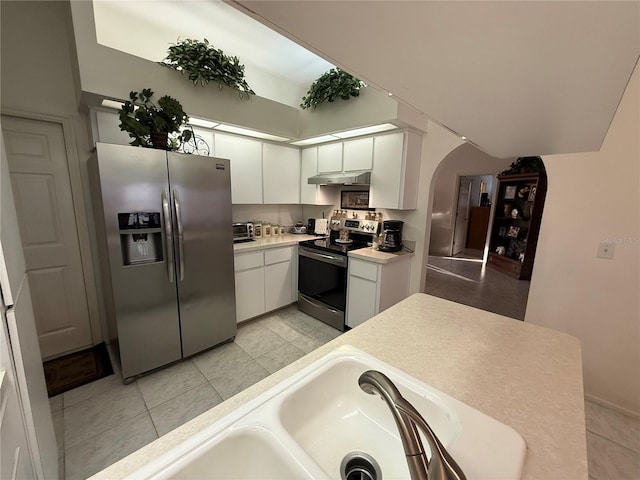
[271, 242]
[525, 376]
[376, 256]
[368, 254]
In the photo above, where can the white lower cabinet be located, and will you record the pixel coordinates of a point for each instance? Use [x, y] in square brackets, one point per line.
[249, 268]
[278, 277]
[265, 280]
[374, 287]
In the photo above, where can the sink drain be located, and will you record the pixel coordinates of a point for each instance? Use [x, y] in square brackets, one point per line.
[360, 466]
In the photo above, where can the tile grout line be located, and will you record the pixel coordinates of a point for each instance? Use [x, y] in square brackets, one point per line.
[614, 442]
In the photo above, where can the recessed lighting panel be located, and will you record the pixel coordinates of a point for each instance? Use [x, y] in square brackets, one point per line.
[314, 140]
[250, 133]
[201, 122]
[111, 104]
[383, 127]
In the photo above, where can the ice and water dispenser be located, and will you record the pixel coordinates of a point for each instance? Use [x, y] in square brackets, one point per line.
[140, 237]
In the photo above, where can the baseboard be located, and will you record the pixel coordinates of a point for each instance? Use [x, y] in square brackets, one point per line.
[612, 406]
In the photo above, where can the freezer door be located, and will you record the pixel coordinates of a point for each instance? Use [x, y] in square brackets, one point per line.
[201, 201]
[135, 181]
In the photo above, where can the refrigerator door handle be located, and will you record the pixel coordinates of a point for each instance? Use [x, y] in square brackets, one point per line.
[168, 235]
[178, 213]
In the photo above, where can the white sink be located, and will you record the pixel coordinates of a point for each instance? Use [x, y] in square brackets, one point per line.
[329, 416]
[305, 426]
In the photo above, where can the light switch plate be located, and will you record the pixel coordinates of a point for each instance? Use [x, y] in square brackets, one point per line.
[605, 250]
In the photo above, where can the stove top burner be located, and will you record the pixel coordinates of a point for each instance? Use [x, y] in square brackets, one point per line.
[329, 245]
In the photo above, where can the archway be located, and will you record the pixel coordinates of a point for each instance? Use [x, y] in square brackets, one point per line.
[458, 277]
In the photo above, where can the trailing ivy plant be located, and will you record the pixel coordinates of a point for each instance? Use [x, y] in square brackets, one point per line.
[203, 64]
[151, 125]
[336, 83]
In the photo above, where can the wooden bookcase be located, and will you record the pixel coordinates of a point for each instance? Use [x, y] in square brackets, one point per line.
[516, 223]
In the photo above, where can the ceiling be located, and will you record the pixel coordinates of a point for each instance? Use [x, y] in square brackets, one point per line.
[275, 67]
[516, 78]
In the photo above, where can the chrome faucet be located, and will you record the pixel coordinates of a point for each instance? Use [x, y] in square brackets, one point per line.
[441, 466]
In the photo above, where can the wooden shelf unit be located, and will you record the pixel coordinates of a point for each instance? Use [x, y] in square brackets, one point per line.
[516, 223]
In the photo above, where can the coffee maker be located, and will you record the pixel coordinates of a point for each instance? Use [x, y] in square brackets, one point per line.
[392, 236]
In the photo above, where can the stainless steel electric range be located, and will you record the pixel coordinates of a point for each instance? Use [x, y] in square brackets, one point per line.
[323, 265]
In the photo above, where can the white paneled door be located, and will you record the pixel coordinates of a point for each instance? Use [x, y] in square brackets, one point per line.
[42, 192]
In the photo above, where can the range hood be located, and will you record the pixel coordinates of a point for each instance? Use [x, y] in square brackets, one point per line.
[343, 178]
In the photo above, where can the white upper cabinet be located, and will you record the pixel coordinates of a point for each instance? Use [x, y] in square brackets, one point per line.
[246, 166]
[280, 174]
[357, 154]
[308, 168]
[330, 158]
[396, 168]
[313, 194]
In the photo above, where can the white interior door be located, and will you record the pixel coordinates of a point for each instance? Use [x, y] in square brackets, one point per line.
[462, 216]
[42, 193]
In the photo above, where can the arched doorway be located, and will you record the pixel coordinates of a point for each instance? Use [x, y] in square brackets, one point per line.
[455, 273]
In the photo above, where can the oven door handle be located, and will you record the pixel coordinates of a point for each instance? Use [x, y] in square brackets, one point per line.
[339, 261]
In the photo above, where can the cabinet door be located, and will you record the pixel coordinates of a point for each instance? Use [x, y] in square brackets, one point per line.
[357, 155]
[308, 168]
[246, 166]
[249, 293]
[281, 174]
[387, 170]
[362, 300]
[330, 158]
[396, 171]
[278, 282]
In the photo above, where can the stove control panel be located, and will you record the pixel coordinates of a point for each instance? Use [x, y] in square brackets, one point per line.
[355, 225]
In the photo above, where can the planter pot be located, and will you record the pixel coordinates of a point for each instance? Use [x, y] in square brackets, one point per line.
[160, 140]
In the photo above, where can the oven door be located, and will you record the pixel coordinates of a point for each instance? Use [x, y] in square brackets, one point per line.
[322, 283]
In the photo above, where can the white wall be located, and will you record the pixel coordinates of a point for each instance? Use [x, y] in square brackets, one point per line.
[36, 73]
[466, 160]
[593, 197]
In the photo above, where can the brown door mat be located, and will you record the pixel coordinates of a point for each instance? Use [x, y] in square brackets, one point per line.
[76, 369]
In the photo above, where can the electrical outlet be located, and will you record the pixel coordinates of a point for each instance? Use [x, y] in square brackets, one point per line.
[605, 250]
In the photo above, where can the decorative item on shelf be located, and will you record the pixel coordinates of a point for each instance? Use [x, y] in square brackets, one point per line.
[331, 85]
[196, 144]
[150, 125]
[502, 232]
[532, 194]
[500, 250]
[203, 63]
[355, 199]
[521, 257]
[514, 213]
[510, 192]
[506, 209]
[513, 232]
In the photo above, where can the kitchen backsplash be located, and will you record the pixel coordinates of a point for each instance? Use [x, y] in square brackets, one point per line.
[279, 214]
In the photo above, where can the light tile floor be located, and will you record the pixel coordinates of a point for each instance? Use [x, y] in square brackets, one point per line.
[101, 422]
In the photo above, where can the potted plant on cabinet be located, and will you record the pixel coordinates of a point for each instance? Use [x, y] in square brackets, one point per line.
[151, 125]
[203, 63]
[336, 83]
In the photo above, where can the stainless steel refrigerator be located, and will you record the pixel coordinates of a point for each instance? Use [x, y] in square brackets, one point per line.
[164, 225]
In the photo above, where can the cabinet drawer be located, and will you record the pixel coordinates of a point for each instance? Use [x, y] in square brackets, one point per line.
[362, 269]
[245, 261]
[277, 255]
